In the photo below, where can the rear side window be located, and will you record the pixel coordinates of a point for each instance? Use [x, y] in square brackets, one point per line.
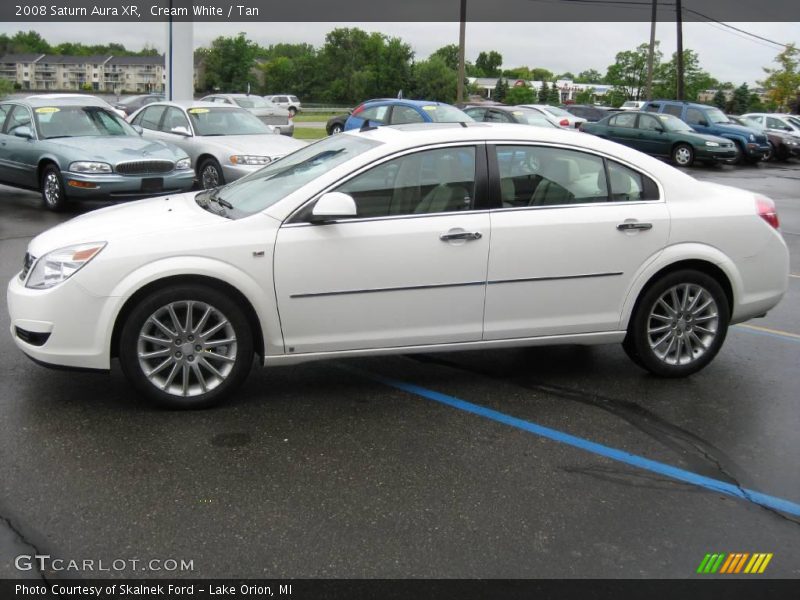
[374, 113]
[405, 114]
[294, 99]
[652, 107]
[623, 120]
[674, 110]
[626, 184]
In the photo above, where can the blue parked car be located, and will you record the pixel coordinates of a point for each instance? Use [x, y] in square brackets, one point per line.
[398, 112]
[750, 144]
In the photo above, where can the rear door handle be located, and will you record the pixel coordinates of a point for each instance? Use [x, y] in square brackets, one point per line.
[629, 226]
[461, 235]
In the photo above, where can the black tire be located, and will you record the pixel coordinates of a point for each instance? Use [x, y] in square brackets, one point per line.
[704, 331]
[209, 174]
[336, 128]
[683, 155]
[771, 154]
[736, 160]
[51, 185]
[186, 381]
[292, 111]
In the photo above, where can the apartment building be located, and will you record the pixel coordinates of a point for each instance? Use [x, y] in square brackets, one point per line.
[105, 73]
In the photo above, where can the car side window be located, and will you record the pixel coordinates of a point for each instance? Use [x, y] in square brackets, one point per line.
[652, 107]
[496, 116]
[694, 116]
[623, 120]
[19, 117]
[773, 123]
[173, 119]
[151, 117]
[649, 123]
[431, 181]
[4, 110]
[674, 110]
[405, 114]
[374, 113]
[476, 113]
[627, 184]
[543, 176]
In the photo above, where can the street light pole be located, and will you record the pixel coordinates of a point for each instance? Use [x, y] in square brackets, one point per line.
[651, 52]
[679, 61]
[461, 51]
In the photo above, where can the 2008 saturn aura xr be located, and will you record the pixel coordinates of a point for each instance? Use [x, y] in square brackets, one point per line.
[418, 238]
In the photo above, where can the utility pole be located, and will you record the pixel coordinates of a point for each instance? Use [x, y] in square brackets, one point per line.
[461, 52]
[651, 52]
[679, 62]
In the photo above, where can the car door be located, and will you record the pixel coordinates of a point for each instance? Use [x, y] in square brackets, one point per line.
[149, 120]
[409, 271]
[698, 121]
[5, 109]
[562, 261]
[19, 154]
[622, 128]
[652, 137]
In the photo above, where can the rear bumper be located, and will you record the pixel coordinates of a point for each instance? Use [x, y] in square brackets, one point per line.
[85, 186]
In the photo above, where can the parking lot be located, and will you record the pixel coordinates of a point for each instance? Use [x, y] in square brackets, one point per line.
[540, 462]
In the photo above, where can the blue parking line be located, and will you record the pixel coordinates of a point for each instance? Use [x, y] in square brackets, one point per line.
[771, 334]
[715, 485]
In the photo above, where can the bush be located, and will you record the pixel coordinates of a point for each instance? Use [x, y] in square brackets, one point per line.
[520, 95]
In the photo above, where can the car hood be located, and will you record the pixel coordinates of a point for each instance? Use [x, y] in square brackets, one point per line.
[702, 137]
[114, 149]
[269, 144]
[736, 129]
[154, 216]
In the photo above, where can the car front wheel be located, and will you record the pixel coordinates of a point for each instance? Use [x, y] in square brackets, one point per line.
[210, 174]
[336, 128]
[683, 155]
[52, 188]
[679, 324]
[186, 347]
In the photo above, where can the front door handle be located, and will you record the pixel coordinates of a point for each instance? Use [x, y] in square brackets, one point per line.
[633, 226]
[461, 235]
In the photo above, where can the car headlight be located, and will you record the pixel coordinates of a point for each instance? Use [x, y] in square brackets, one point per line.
[184, 163]
[59, 265]
[713, 144]
[752, 138]
[792, 142]
[249, 159]
[85, 166]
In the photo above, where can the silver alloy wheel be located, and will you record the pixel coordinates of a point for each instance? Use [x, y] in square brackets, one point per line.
[210, 177]
[187, 348]
[52, 189]
[683, 156]
[337, 129]
[683, 324]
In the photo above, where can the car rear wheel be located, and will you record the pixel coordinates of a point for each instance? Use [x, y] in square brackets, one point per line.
[292, 111]
[683, 155]
[186, 347]
[210, 174]
[679, 324]
[771, 153]
[52, 188]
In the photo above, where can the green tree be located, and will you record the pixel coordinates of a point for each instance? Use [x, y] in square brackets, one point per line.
[543, 93]
[434, 80]
[500, 90]
[695, 79]
[589, 76]
[28, 41]
[628, 74]
[229, 64]
[782, 83]
[489, 63]
[719, 100]
[754, 103]
[6, 87]
[522, 94]
[554, 95]
[739, 100]
[566, 75]
[615, 98]
[540, 74]
[518, 73]
[585, 96]
[449, 54]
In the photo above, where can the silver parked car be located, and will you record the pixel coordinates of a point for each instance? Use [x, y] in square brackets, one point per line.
[79, 149]
[558, 116]
[269, 113]
[287, 101]
[781, 122]
[224, 142]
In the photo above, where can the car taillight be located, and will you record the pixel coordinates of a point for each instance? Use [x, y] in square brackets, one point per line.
[358, 109]
[767, 211]
[564, 123]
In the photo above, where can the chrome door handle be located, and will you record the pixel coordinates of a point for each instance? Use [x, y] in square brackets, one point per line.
[461, 235]
[634, 226]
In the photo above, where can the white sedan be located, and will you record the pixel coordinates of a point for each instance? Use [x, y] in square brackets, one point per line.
[419, 238]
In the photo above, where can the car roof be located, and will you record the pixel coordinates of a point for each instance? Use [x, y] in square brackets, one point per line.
[407, 102]
[34, 101]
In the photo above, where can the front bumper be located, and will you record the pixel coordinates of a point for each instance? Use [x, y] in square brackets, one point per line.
[756, 151]
[234, 172]
[113, 186]
[714, 153]
[60, 326]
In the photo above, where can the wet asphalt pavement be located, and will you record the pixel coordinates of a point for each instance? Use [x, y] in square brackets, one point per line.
[325, 470]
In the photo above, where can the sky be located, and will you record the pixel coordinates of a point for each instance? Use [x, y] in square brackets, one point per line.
[559, 47]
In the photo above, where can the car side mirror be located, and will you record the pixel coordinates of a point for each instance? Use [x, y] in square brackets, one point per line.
[24, 132]
[138, 129]
[180, 130]
[332, 207]
[660, 129]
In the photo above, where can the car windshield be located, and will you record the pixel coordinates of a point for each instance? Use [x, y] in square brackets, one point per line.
[225, 121]
[558, 112]
[78, 121]
[443, 113]
[673, 123]
[794, 121]
[532, 117]
[715, 115]
[252, 102]
[263, 188]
